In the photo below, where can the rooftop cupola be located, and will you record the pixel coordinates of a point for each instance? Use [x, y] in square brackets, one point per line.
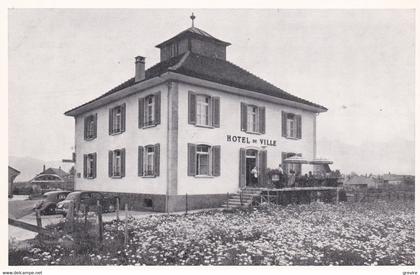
[195, 40]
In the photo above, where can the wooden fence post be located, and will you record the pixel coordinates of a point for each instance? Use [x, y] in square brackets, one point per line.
[126, 225]
[70, 217]
[240, 197]
[38, 218]
[100, 224]
[117, 210]
[86, 210]
[186, 203]
[338, 196]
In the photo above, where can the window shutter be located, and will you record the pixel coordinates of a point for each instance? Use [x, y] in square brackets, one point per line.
[283, 124]
[84, 166]
[262, 166]
[122, 162]
[140, 161]
[123, 117]
[242, 168]
[243, 117]
[94, 165]
[216, 111]
[95, 126]
[110, 121]
[157, 108]
[299, 126]
[141, 113]
[157, 160]
[191, 108]
[192, 149]
[216, 160]
[85, 127]
[110, 155]
[261, 117]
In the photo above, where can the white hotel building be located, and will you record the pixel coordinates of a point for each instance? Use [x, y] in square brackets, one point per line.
[192, 124]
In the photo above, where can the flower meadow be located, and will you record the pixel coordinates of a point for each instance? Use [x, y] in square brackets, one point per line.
[371, 233]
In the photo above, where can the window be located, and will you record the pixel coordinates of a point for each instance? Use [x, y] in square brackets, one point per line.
[252, 119]
[292, 125]
[117, 163]
[203, 110]
[203, 160]
[90, 127]
[149, 115]
[203, 113]
[117, 119]
[89, 166]
[149, 110]
[148, 160]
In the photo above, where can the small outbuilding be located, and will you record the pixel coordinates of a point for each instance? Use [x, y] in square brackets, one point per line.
[13, 173]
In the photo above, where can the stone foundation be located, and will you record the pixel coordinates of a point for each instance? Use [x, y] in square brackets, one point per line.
[155, 202]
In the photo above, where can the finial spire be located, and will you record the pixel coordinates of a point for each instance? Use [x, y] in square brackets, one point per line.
[192, 19]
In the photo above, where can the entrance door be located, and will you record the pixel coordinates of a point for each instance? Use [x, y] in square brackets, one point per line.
[251, 163]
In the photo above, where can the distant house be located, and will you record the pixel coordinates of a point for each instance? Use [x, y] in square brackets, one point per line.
[13, 173]
[360, 182]
[398, 180]
[52, 179]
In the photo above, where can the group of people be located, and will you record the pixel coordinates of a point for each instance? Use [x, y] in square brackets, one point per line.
[291, 179]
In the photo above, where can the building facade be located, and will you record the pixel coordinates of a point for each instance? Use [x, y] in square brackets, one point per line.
[193, 124]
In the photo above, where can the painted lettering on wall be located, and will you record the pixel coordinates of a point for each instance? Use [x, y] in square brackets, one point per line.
[247, 140]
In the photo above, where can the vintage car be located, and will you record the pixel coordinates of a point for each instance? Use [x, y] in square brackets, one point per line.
[49, 201]
[89, 199]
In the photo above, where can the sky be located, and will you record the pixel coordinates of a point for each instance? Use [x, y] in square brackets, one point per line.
[360, 64]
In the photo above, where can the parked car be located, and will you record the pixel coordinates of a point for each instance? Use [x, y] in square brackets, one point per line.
[49, 201]
[88, 199]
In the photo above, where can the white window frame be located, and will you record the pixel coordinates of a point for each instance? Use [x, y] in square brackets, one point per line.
[252, 119]
[90, 129]
[116, 163]
[200, 153]
[149, 161]
[291, 126]
[149, 113]
[203, 106]
[117, 119]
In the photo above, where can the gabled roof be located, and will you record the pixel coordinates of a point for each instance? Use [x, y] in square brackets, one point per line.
[13, 169]
[195, 33]
[211, 69]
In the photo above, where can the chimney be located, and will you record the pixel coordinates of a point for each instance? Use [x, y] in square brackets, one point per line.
[140, 72]
[43, 168]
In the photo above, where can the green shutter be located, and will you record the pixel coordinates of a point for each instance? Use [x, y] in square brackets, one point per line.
[95, 126]
[192, 149]
[94, 165]
[261, 117]
[216, 111]
[122, 162]
[299, 126]
[216, 160]
[243, 117]
[84, 166]
[242, 168]
[283, 124]
[110, 130]
[110, 155]
[191, 108]
[140, 161]
[157, 108]
[141, 113]
[157, 160]
[123, 117]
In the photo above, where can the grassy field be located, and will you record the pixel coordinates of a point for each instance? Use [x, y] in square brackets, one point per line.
[380, 233]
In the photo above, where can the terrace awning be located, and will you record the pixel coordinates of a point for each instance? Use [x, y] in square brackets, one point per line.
[296, 159]
[321, 161]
